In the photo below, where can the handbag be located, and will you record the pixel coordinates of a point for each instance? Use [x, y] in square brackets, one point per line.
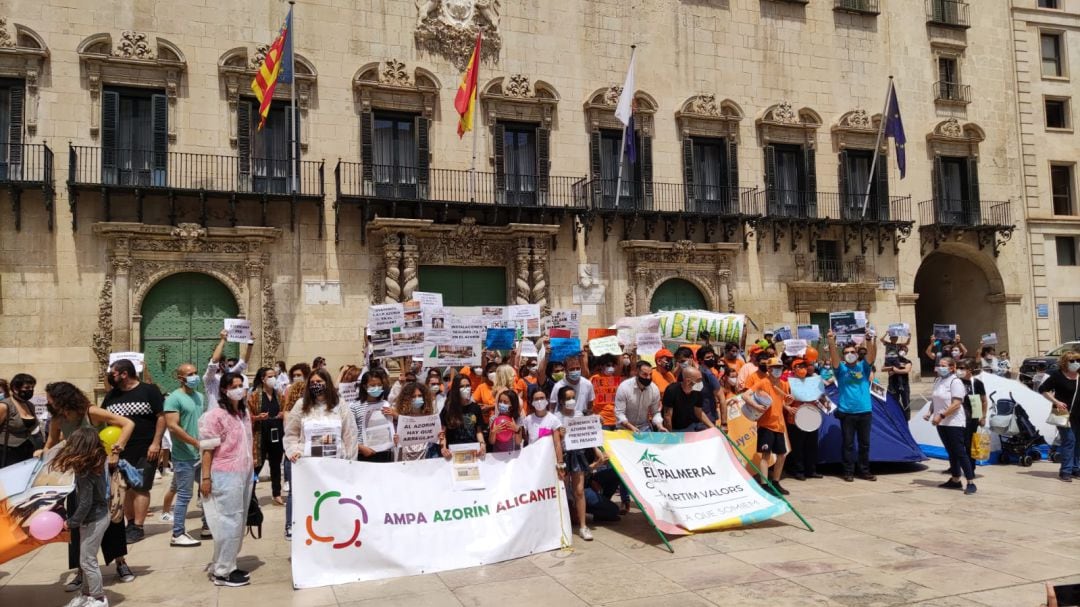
[1061, 420]
[254, 516]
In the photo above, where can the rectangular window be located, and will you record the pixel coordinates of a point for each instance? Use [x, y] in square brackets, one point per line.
[857, 175]
[11, 129]
[1055, 4]
[610, 143]
[790, 178]
[1061, 189]
[519, 146]
[1057, 113]
[1066, 250]
[829, 268]
[266, 165]
[1069, 321]
[710, 168]
[1051, 55]
[948, 70]
[394, 152]
[134, 137]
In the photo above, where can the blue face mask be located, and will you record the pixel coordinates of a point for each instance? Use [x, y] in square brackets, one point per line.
[191, 381]
[504, 408]
[375, 392]
[418, 402]
[573, 375]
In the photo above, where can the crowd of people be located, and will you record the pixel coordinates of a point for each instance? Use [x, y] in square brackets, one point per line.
[215, 432]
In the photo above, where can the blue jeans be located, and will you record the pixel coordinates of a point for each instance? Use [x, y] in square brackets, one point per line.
[184, 475]
[1070, 455]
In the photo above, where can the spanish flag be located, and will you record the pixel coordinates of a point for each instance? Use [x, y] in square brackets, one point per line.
[465, 101]
[277, 67]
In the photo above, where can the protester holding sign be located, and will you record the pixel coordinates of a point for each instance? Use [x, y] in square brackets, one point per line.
[898, 366]
[462, 419]
[577, 461]
[318, 426]
[766, 386]
[604, 385]
[414, 401]
[374, 417]
[855, 409]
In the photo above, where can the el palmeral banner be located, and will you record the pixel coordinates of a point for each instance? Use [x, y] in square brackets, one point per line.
[689, 482]
[356, 521]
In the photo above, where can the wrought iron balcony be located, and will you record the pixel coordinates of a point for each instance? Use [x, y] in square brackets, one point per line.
[987, 218]
[833, 206]
[861, 7]
[24, 166]
[148, 173]
[952, 92]
[832, 270]
[948, 13]
[675, 198]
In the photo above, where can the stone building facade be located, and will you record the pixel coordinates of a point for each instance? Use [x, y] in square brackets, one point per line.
[142, 204]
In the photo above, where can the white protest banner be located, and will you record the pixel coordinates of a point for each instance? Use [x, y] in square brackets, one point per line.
[136, 359]
[689, 482]
[605, 345]
[396, 330]
[428, 300]
[239, 330]
[795, 347]
[385, 316]
[686, 325]
[583, 432]
[411, 522]
[649, 344]
[418, 429]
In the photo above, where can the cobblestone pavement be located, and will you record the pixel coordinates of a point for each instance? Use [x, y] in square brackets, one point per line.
[898, 541]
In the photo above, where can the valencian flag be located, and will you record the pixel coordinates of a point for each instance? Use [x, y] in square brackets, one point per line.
[894, 127]
[276, 67]
[465, 101]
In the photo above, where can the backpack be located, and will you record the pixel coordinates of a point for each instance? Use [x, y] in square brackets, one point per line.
[254, 516]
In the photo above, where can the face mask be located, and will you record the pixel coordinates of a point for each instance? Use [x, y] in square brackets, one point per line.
[850, 358]
[375, 392]
[777, 372]
[626, 362]
[26, 395]
[540, 406]
[558, 375]
[573, 376]
[609, 370]
[800, 373]
[191, 380]
[732, 380]
[318, 389]
[3, 395]
[962, 374]
[236, 393]
[644, 381]
[902, 353]
[697, 387]
[534, 367]
[684, 364]
[943, 371]
[435, 388]
[466, 394]
[732, 355]
[298, 379]
[491, 377]
[418, 402]
[570, 403]
[504, 408]
[666, 365]
[1074, 366]
[110, 378]
[710, 363]
[955, 353]
[269, 381]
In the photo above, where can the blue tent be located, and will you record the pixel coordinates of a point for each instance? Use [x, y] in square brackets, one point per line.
[890, 439]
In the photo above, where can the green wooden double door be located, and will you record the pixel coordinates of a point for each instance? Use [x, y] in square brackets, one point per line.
[182, 317]
[465, 286]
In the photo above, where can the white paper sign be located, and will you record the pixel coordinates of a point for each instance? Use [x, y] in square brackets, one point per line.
[379, 438]
[648, 344]
[795, 347]
[567, 319]
[808, 332]
[605, 345]
[136, 358]
[990, 339]
[465, 467]
[528, 349]
[239, 330]
[433, 300]
[322, 439]
[583, 432]
[878, 391]
[418, 429]
[349, 392]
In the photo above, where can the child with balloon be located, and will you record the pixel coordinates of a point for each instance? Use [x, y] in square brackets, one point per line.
[83, 456]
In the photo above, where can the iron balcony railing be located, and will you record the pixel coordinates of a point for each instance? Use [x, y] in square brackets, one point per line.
[26, 163]
[952, 92]
[833, 270]
[951, 13]
[659, 197]
[396, 183]
[144, 169]
[869, 7]
[963, 213]
[833, 206]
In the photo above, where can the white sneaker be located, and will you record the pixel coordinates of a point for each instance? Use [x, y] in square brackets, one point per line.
[166, 517]
[184, 541]
[78, 601]
[585, 533]
[92, 602]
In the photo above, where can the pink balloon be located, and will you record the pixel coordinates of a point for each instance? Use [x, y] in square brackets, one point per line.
[46, 525]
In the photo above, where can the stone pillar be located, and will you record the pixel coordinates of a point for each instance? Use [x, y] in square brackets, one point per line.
[410, 278]
[121, 302]
[539, 280]
[641, 294]
[726, 297]
[522, 293]
[392, 263]
[254, 267]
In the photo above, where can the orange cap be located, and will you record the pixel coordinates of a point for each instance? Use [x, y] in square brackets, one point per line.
[664, 352]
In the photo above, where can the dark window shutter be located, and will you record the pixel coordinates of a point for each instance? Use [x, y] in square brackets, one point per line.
[595, 171]
[110, 117]
[691, 193]
[882, 194]
[367, 149]
[939, 182]
[292, 151]
[543, 163]
[15, 130]
[972, 199]
[810, 181]
[733, 169]
[772, 196]
[160, 128]
[500, 159]
[645, 162]
[423, 156]
[847, 200]
[243, 141]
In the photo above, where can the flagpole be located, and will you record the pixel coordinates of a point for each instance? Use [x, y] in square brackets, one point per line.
[472, 182]
[877, 145]
[622, 146]
[294, 148]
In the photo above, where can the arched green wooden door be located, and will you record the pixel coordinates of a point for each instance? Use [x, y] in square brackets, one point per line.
[181, 318]
[677, 294]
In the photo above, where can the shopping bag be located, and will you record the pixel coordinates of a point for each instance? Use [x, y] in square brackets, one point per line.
[980, 445]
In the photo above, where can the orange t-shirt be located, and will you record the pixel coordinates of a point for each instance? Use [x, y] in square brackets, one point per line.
[662, 378]
[773, 419]
[735, 365]
[522, 388]
[604, 387]
[484, 396]
[746, 371]
[475, 377]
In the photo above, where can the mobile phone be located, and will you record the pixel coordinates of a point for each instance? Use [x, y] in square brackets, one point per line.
[274, 435]
[1067, 594]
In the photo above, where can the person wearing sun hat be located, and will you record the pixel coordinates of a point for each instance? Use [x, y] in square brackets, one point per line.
[662, 374]
[766, 385]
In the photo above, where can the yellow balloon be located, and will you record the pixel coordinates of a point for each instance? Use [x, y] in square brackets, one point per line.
[109, 435]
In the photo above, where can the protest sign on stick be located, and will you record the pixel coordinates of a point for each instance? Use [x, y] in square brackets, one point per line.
[239, 330]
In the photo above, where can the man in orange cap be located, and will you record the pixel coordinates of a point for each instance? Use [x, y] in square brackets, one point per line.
[771, 439]
[662, 375]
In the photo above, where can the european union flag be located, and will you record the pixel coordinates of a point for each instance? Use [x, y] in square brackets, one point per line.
[287, 68]
[894, 127]
[631, 142]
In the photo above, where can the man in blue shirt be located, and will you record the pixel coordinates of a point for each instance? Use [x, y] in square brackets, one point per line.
[854, 408]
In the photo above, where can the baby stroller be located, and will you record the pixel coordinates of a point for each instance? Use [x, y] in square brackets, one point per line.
[1019, 437]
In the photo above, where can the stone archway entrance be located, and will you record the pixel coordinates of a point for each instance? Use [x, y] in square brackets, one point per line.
[181, 317]
[953, 288]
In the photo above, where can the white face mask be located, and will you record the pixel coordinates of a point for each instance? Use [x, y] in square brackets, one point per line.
[540, 406]
[961, 373]
[570, 403]
[698, 386]
[1074, 366]
[491, 377]
[851, 357]
[236, 393]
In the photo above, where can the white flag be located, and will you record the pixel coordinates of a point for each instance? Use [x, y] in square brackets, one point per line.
[625, 109]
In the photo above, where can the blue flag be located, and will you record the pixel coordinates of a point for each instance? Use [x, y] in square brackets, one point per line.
[894, 127]
[631, 145]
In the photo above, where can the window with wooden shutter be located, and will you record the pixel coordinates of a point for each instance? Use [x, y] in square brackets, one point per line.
[596, 168]
[499, 144]
[14, 151]
[367, 151]
[809, 183]
[772, 193]
[110, 116]
[847, 195]
[692, 195]
[244, 111]
[971, 210]
[543, 164]
[645, 164]
[160, 127]
[733, 173]
[423, 156]
[881, 194]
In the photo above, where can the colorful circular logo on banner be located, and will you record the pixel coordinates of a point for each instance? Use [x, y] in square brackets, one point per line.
[361, 518]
